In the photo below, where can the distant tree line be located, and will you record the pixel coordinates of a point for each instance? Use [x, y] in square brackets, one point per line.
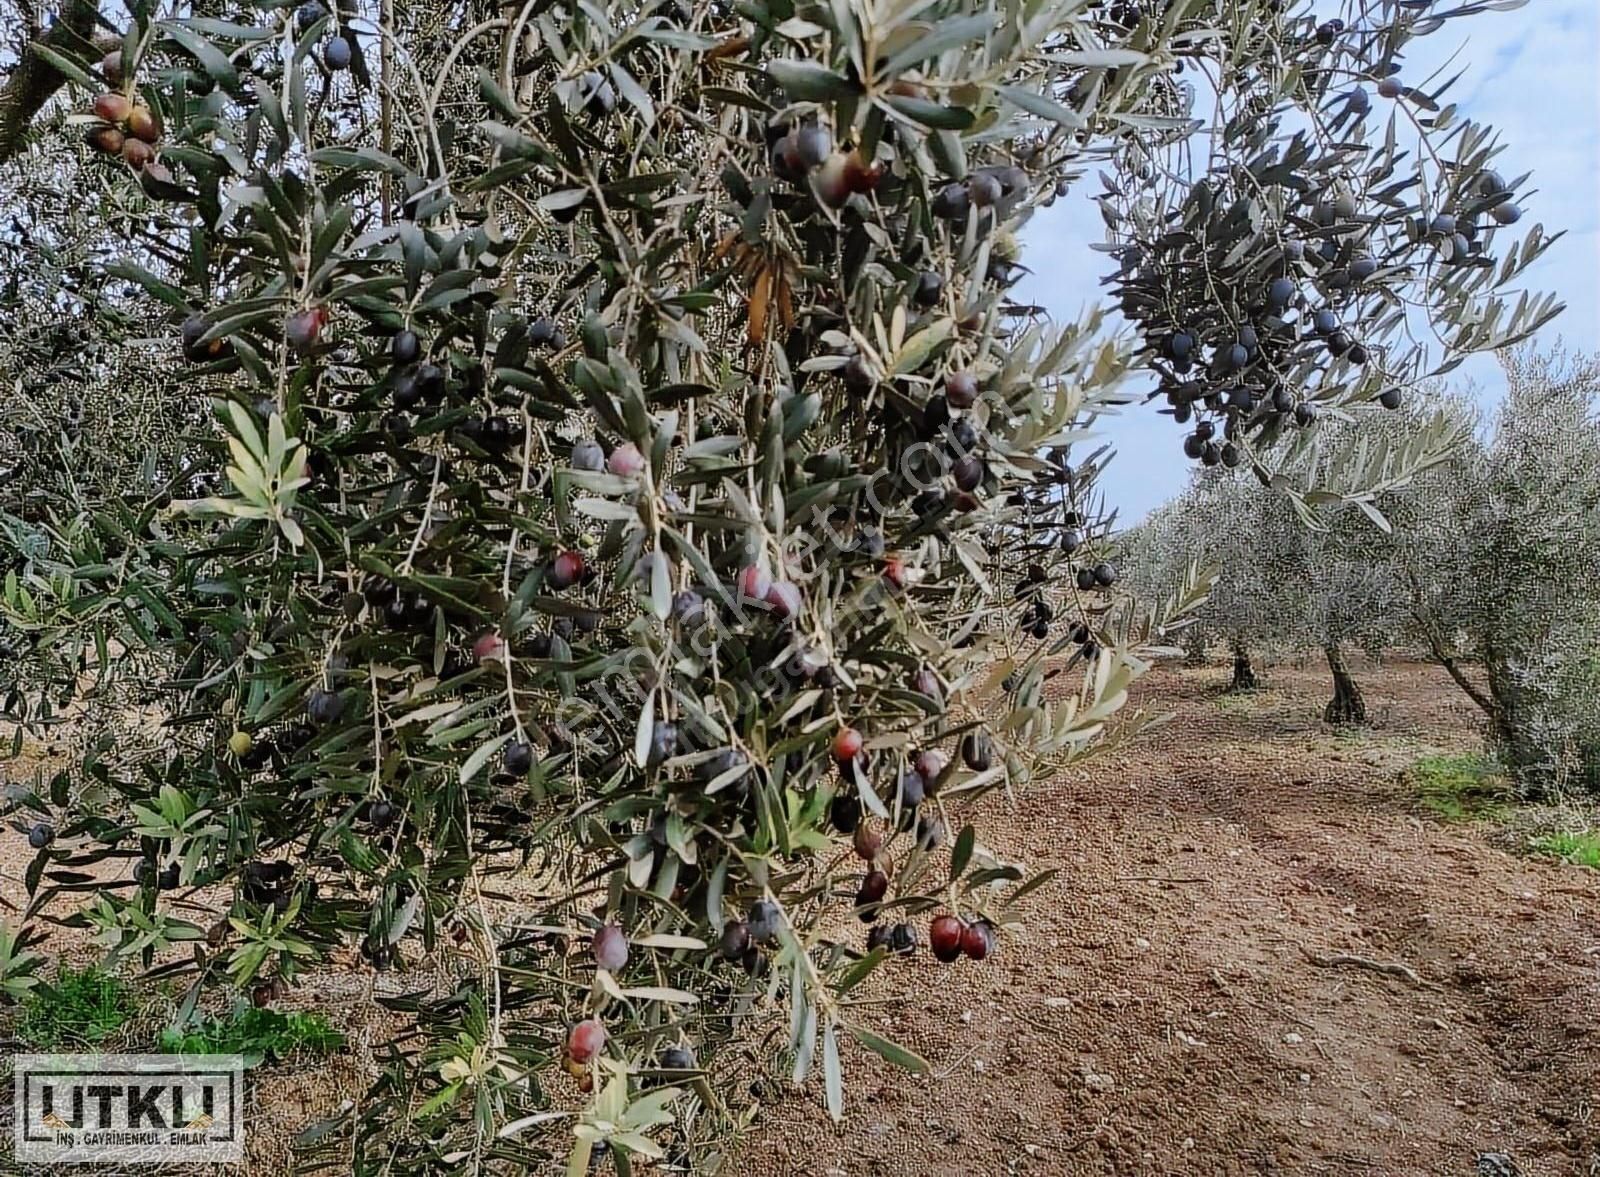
[1489, 559]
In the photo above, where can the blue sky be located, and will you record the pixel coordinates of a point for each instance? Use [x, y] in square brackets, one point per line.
[1534, 74]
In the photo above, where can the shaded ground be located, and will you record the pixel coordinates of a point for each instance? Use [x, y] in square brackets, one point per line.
[1161, 1015]
[1157, 1027]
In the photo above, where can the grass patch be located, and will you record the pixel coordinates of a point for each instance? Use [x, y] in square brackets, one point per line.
[1236, 702]
[1580, 849]
[1460, 788]
[81, 1007]
[258, 1034]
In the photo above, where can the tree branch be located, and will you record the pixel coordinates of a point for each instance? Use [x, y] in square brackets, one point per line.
[1442, 655]
[1454, 671]
[1342, 959]
[34, 79]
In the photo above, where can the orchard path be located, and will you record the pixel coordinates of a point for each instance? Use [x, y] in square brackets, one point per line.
[1179, 1027]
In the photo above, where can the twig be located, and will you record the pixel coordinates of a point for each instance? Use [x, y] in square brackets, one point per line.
[941, 1076]
[1161, 879]
[1085, 1138]
[1339, 960]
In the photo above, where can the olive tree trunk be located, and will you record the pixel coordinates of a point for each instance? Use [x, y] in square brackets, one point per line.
[1516, 745]
[1486, 701]
[1244, 674]
[1347, 705]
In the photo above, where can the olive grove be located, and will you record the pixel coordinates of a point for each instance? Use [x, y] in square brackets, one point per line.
[1289, 584]
[1487, 560]
[597, 443]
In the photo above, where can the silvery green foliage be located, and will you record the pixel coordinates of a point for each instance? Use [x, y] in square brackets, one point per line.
[1487, 554]
[89, 412]
[1496, 547]
[1366, 484]
[410, 634]
[1526, 578]
[1298, 573]
[89, 406]
[1220, 520]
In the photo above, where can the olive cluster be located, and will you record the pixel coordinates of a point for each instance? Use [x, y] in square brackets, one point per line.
[1250, 347]
[123, 126]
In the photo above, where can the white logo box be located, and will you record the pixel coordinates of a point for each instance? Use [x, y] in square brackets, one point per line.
[140, 1108]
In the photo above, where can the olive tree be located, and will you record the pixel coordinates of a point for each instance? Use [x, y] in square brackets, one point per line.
[1322, 571]
[1261, 280]
[1486, 555]
[1281, 584]
[615, 436]
[1503, 567]
[1221, 521]
[91, 414]
[91, 407]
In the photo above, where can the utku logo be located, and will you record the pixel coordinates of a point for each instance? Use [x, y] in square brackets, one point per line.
[151, 1108]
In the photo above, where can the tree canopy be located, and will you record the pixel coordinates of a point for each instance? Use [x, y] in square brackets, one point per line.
[601, 439]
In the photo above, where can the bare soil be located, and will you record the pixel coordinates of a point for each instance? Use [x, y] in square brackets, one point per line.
[1164, 1012]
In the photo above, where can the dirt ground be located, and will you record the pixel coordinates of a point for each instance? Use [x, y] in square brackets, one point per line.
[1165, 1012]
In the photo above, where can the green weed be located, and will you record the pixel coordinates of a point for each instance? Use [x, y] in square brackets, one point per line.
[1461, 787]
[257, 1034]
[81, 1007]
[1581, 848]
[1235, 702]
